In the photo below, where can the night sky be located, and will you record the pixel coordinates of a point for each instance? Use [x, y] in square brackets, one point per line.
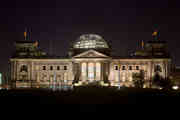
[124, 22]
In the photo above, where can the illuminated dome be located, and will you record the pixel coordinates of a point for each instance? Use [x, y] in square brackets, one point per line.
[90, 41]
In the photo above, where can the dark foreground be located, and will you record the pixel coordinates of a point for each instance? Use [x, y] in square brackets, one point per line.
[90, 95]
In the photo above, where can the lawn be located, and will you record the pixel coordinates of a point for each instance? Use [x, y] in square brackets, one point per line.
[89, 95]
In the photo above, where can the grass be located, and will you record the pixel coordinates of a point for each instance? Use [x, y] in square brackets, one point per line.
[89, 95]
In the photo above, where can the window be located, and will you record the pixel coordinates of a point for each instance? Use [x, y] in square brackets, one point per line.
[137, 67]
[65, 67]
[24, 77]
[123, 67]
[44, 67]
[130, 67]
[157, 68]
[51, 67]
[44, 76]
[24, 68]
[58, 67]
[115, 67]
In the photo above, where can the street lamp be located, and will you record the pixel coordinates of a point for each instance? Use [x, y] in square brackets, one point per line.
[175, 87]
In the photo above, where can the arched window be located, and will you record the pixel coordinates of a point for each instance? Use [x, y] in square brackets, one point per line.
[24, 68]
[58, 67]
[65, 67]
[137, 67]
[123, 67]
[157, 68]
[115, 67]
[44, 67]
[130, 67]
[51, 67]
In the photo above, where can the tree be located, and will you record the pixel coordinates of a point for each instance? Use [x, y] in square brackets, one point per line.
[106, 79]
[162, 82]
[76, 79]
[138, 79]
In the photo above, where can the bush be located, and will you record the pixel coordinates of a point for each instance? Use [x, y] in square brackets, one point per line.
[138, 79]
[161, 82]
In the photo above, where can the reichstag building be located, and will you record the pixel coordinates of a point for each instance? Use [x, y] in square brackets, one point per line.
[89, 59]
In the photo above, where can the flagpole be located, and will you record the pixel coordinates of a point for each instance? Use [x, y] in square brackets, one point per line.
[25, 34]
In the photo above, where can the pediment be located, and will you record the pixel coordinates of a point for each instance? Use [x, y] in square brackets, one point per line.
[91, 54]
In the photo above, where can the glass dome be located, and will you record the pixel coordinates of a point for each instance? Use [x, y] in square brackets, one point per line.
[90, 41]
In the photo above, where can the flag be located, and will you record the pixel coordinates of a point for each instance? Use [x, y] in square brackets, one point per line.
[36, 43]
[155, 33]
[25, 34]
[142, 43]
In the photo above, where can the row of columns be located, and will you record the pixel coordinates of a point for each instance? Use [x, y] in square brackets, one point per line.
[103, 70]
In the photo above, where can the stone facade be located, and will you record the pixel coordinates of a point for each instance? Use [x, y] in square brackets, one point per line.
[84, 67]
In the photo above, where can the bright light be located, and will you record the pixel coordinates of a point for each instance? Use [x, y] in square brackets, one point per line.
[175, 87]
[0, 78]
[160, 88]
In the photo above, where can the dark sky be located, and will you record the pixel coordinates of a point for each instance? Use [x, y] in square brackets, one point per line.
[124, 22]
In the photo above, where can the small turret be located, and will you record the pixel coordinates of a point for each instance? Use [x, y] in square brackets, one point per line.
[155, 47]
[27, 48]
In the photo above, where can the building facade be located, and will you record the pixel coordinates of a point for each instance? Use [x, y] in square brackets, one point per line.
[89, 60]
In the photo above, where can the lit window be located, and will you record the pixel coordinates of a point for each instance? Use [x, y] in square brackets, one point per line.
[123, 67]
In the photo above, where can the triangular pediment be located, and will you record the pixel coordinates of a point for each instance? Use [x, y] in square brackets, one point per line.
[91, 54]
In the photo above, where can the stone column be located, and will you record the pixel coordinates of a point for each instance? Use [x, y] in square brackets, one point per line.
[13, 77]
[150, 73]
[102, 70]
[111, 76]
[167, 72]
[31, 74]
[29, 70]
[87, 66]
[106, 72]
[14, 70]
[80, 71]
[17, 70]
[94, 71]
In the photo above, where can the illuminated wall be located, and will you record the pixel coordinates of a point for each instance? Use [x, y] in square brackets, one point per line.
[91, 71]
[98, 71]
[0, 78]
[118, 70]
[84, 71]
